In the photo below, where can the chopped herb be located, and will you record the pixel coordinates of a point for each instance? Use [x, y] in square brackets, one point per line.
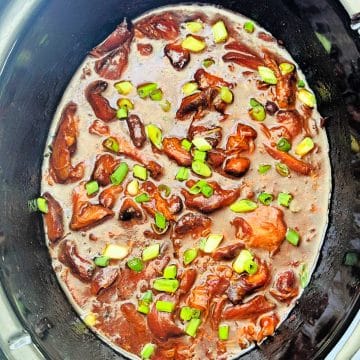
[219, 32]
[147, 351]
[251, 267]
[292, 236]
[122, 113]
[118, 176]
[267, 75]
[186, 313]
[207, 191]
[201, 168]
[140, 172]
[258, 113]
[239, 263]
[147, 297]
[123, 87]
[265, 198]
[249, 27]
[211, 243]
[286, 68]
[193, 44]
[182, 174]
[192, 327]
[283, 145]
[186, 144]
[111, 144]
[301, 84]
[307, 98]
[284, 199]
[194, 26]
[135, 264]
[125, 103]
[304, 147]
[170, 272]
[160, 220]
[226, 95]
[166, 285]
[133, 187]
[189, 88]
[42, 205]
[208, 62]
[165, 306]
[190, 255]
[263, 169]
[116, 252]
[224, 332]
[282, 169]
[164, 189]
[156, 95]
[92, 187]
[143, 308]
[144, 197]
[102, 261]
[154, 134]
[244, 205]
[151, 252]
[199, 155]
[201, 143]
[145, 90]
[254, 102]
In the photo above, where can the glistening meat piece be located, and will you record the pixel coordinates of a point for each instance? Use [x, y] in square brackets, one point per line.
[133, 153]
[228, 252]
[86, 215]
[251, 309]
[191, 223]
[206, 80]
[54, 219]
[79, 266]
[64, 146]
[103, 278]
[263, 228]
[237, 166]
[108, 196]
[212, 134]
[105, 165]
[174, 150]
[136, 130]
[98, 102]
[292, 121]
[164, 26]
[268, 325]
[220, 198]
[99, 128]
[286, 286]
[242, 59]
[178, 56]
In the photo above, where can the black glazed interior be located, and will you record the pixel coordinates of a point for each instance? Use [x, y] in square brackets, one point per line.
[46, 55]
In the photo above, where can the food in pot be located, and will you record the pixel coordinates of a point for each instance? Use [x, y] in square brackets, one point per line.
[186, 195]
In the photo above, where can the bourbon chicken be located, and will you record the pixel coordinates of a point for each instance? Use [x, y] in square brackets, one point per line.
[186, 191]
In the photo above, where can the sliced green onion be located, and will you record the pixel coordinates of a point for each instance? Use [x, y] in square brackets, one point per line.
[155, 135]
[304, 147]
[135, 264]
[208, 62]
[196, 313]
[32, 205]
[226, 95]
[199, 155]
[143, 308]
[165, 105]
[201, 168]
[189, 88]
[265, 198]
[207, 191]
[219, 32]
[160, 220]
[258, 113]
[102, 261]
[193, 44]
[301, 84]
[182, 174]
[267, 75]
[140, 172]
[147, 351]
[304, 276]
[118, 176]
[147, 297]
[192, 327]
[263, 169]
[292, 236]
[156, 95]
[351, 258]
[39, 203]
[186, 313]
[186, 144]
[92, 187]
[244, 205]
[194, 26]
[201, 144]
[196, 188]
[144, 197]
[151, 252]
[249, 27]
[125, 103]
[190, 255]
[283, 145]
[116, 252]
[90, 319]
[284, 199]
[170, 272]
[251, 267]
[122, 113]
[145, 90]
[133, 187]
[123, 87]
[164, 189]
[254, 102]
[239, 263]
[307, 98]
[325, 42]
[111, 144]
[282, 169]
[165, 306]
[286, 68]
[224, 332]
[166, 285]
[211, 243]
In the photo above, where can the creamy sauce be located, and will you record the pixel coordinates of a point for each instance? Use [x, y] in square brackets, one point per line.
[308, 212]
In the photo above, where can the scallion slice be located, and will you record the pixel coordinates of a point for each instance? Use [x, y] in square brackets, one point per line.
[211, 243]
[186, 144]
[282, 169]
[151, 252]
[240, 262]
[283, 145]
[224, 332]
[226, 95]
[165, 306]
[263, 169]
[192, 327]
[164, 189]
[265, 198]
[122, 113]
[193, 44]
[189, 88]
[166, 285]
[123, 87]
[170, 272]
[147, 297]
[124, 102]
[249, 27]
[251, 267]
[160, 220]
[165, 105]
[244, 205]
[258, 113]
[133, 187]
[118, 176]
[140, 172]
[208, 62]
[38, 204]
[186, 313]
[307, 98]
[286, 68]
[156, 95]
[194, 26]
[146, 89]
[135, 264]
[116, 252]
[304, 147]
[102, 261]
[207, 191]
[154, 134]
[143, 308]
[147, 351]
[301, 84]
[201, 143]
[201, 168]
[190, 255]
[144, 197]
[220, 32]
[182, 174]
[267, 75]
[293, 237]
[284, 199]
[111, 144]
[92, 187]
[199, 155]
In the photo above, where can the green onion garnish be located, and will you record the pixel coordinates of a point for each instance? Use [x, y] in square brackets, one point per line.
[39, 203]
[118, 176]
[111, 144]
[147, 297]
[165, 105]
[189, 88]
[211, 243]
[241, 262]
[154, 134]
[351, 258]
[164, 189]
[156, 95]
[201, 143]
[304, 276]
[220, 32]
[182, 174]
[122, 113]
[265, 198]
[208, 62]
[92, 187]
[249, 27]
[258, 113]
[144, 197]
[140, 172]
[194, 44]
[226, 95]
[151, 252]
[186, 144]
[135, 264]
[145, 90]
[170, 272]
[192, 327]
[307, 98]
[125, 103]
[133, 187]
[201, 168]
[301, 84]
[293, 237]
[160, 220]
[224, 332]
[304, 146]
[186, 313]
[147, 351]
[143, 307]
[194, 26]
[282, 169]
[251, 267]
[190, 255]
[166, 285]
[244, 205]
[267, 75]
[207, 191]
[263, 169]
[199, 155]
[165, 306]
[254, 102]
[286, 68]
[123, 87]
[202, 187]
[102, 261]
[284, 199]
[283, 145]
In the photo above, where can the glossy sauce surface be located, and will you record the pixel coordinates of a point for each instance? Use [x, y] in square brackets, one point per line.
[253, 305]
